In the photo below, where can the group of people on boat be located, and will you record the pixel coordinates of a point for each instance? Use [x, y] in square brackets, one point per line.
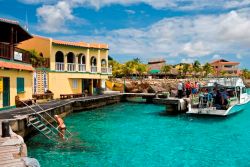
[209, 97]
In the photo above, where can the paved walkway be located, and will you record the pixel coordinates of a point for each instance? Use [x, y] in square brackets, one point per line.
[14, 113]
[12, 149]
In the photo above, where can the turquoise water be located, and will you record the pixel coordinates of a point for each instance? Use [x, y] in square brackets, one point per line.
[135, 135]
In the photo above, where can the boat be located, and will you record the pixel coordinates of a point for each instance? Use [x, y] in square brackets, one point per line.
[220, 96]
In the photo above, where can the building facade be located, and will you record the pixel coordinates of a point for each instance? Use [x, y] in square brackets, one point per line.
[228, 67]
[16, 71]
[74, 67]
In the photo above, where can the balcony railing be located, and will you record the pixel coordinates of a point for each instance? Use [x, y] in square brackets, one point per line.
[59, 66]
[17, 54]
[5, 51]
[93, 69]
[71, 67]
[104, 69]
[110, 70]
[82, 68]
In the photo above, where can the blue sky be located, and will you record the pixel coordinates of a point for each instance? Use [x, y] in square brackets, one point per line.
[176, 30]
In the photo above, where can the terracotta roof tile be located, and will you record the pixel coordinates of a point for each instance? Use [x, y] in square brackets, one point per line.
[18, 66]
[81, 44]
[9, 21]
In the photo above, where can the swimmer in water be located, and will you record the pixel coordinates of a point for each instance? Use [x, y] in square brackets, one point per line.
[61, 126]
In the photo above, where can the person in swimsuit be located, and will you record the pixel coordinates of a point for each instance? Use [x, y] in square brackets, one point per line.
[61, 126]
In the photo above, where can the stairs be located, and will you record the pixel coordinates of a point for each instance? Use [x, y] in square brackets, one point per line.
[42, 127]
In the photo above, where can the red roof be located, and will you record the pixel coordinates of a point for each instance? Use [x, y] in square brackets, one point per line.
[17, 66]
[222, 61]
[9, 21]
[81, 44]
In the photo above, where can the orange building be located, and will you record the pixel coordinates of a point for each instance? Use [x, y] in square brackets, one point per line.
[229, 67]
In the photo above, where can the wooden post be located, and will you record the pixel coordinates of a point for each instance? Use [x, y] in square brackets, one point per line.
[5, 129]
[11, 43]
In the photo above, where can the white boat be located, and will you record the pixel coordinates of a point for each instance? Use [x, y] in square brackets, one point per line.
[220, 96]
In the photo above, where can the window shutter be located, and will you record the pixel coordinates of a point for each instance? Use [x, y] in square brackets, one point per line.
[20, 85]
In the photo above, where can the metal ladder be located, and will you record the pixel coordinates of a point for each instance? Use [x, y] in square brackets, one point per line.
[44, 126]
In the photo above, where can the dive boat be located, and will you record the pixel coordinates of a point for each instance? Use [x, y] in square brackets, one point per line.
[220, 96]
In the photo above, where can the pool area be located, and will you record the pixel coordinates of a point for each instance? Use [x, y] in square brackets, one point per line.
[137, 134]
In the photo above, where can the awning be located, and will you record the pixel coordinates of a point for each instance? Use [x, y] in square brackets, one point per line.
[18, 66]
[154, 71]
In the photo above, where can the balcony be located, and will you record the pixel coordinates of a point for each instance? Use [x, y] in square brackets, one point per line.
[104, 70]
[16, 55]
[82, 68]
[71, 67]
[59, 66]
[110, 70]
[93, 69]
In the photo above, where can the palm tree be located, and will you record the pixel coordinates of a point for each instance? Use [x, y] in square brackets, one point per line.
[196, 67]
[208, 69]
[245, 73]
[36, 59]
[141, 69]
[223, 73]
[185, 69]
[166, 69]
[116, 68]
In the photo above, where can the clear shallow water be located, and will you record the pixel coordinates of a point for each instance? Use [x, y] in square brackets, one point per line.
[131, 134]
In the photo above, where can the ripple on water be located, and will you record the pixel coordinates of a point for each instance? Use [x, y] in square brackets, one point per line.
[131, 134]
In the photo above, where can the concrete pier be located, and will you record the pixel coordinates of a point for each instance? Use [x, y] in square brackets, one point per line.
[12, 150]
[173, 105]
[18, 117]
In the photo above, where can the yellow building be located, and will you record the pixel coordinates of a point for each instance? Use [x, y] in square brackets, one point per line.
[74, 67]
[16, 72]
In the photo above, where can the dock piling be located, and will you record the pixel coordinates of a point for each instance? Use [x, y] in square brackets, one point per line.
[5, 129]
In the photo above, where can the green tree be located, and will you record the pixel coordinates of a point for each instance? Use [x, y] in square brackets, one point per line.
[116, 68]
[208, 69]
[185, 69]
[141, 70]
[196, 67]
[36, 59]
[245, 73]
[223, 73]
[166, 69]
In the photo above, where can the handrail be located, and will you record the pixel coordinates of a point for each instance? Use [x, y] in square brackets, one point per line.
[43, 118]
[52, 118]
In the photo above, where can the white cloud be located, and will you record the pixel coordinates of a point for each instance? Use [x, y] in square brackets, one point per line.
[52, 18]
[239, 56]
[216, 57]
[188, 60]
[130, 11]
[190, 37]
[158, 4]
[196, 49]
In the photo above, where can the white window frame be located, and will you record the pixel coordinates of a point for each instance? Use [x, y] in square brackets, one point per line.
[75, 84]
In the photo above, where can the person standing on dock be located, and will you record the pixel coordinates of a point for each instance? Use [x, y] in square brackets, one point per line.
[188, 89]
[180, 89]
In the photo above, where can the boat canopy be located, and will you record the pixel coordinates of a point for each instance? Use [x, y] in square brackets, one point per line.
[226, 82]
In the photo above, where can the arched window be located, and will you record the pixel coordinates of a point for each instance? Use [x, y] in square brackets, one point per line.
[59, 57]
[81, 59]
[70, 57]
[93, 61]
[41, 54]
[104, 63]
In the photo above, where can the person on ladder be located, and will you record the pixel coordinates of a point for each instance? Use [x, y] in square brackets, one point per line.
[61, 126]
